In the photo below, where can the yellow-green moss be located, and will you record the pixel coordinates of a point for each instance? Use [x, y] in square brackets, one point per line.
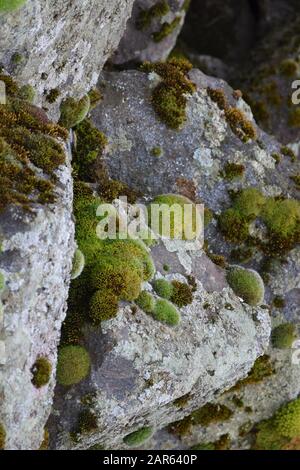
[45, 443]
[53, 95]
[156, 151]
[282, 217]
[246, 284]
[166, 312]
[78, 264]
[288, 152]
[182, 294]
[2, 282]
[261, 370]
[10, 5]
[103, 306]
[27, 93]
[72, 112]
[41, 371]
[224, 443]
[169, 96]
[73, 365]
[296, 180]
[2, 437]
[95, 97]
[163, 288]
[283, 336]
[145, 17]
[136, 438]
[294, 117]
[249, 202]
[288, 67]
[146, 301]
[166, 30]
[234, 226]
[219, 260]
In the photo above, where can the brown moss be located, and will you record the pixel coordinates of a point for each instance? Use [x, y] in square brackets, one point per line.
[53, 95]
[218, 96]
[233, 171]
[219, 260]
[262, 369]
[240, 125]
[182, 294]
[41, 371]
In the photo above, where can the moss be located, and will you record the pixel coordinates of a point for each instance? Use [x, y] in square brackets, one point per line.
[169, 96]
[249, 203]
[296, 180]
[73, 365]
[294, 117]
[113, 189]
[204, 446]
[218, 96]
[156, 152]
[46, 439]
[73, 112]
[234, 226]
[247, 284]
[27, 93]
[146, 302]
[78, 264]
[90, 146]
[288, 68]
[278, 302]
[182, 402]
[16, 58]
[95, 97]
[224, 443]
[2, 437]
[41, 371]
[10, 5]
[237, 401]
[136, 438]
[186, 5]
[166, 30]
[145, 17]
[2, 282]
[103, 306]
[165, 312]
[288, 152]
[163, 288]
[276, 157]
[233, 171]
[204, 416]
[219, 260]
[53, 95]
[87, 422]
[242, 255]
[182, 294]
[282, 217]
[181, 222]
[208, 216]
[283, 336]
[277, 432]
[261, 370]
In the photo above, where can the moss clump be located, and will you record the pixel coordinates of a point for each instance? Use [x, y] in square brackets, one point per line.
[294, 117]
[45, 443]
[218, 96]
[234, 226]
[11, 5]
[27, 93]
[163, 288]
[169, 96]
[166, 30]
[296, 180]
[219, 260]
[103, 306]
[156, 151]
[165, 312]
[183, 223]
[261, 369]
[247, 284]
[146, 301]
[73, 112]
[2, 282]
[2, 437]
[87, 422]
[159, 9]
[249, 203]
[288, 152]
[204, 416]
[224, 443]
[282, 217]
[277, 432]
[288, 68]
[90, 146]
[283, 336]
[41, 371]
[95, 97]
[53, 95]
[73, 365]
[278, 302]
[233, 171]
[276, 157]
[78, 264]
[137, 438]
[182, 294]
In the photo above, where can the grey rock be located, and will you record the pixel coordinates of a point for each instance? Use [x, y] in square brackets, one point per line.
[138, 44]
[61, 44]
[36, 259]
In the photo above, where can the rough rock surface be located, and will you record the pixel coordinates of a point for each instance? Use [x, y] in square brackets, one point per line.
[36, 259]
[61, 44]
[138, 43]
[140, 366]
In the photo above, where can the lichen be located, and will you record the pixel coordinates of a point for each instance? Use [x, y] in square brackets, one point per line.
[41, 372]
[169, 96]
[73, 365]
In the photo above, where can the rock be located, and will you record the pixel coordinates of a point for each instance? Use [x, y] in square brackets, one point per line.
[37, 246]
[61, 46]
[141, 366]
[151, 31]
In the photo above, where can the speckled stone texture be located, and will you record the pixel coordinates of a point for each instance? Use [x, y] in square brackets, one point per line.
[36, 259]
[61, 44]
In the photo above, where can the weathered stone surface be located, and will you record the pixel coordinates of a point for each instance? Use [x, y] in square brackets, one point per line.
[139, 44]
[140, 366]
[61, 44]
[35, 259]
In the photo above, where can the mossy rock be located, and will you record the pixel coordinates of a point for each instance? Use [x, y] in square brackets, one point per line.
[283, 336]
[11, 5]
[247, 284]
[166, 312]
[137, 438]
[73, 111]
[78, 264]
[73, 365]
[41, 371]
